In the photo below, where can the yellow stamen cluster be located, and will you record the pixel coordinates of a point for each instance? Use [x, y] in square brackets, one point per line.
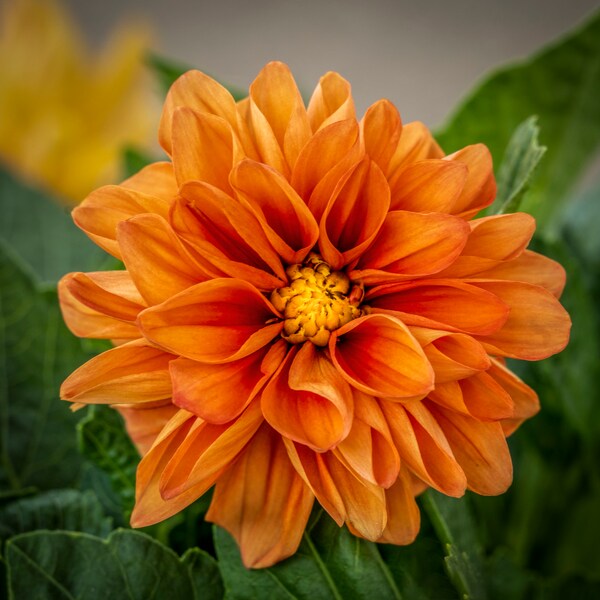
[317, 302]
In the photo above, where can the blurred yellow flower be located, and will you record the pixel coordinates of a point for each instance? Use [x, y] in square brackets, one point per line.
[65, 112]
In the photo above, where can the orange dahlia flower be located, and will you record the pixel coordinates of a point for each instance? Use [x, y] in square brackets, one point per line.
[309, 310]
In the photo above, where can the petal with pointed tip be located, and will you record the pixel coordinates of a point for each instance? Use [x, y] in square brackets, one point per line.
[284, 217]
[331, 101]
[479, 447]
[378, 355]
[308, 401]
[428, 186]
[441, 304]
[480, 188]
[199, 92]
[423, 446]
[133, 373]
[537, 326]
[354, 215]
[411, 245]
[262, 502]
[381, 128]
[219, 393]
[217, 321]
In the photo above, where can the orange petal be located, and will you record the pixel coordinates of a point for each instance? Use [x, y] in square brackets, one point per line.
[428, 186]
[100, 213]
[131, 373]
[219, 393]
[280, 122]
[206, 452]
[411, 245]
[284, 217]
[156, 179]
[441, 304]
[480, 448]
[344, 495]
[403, 516]
[110, 293]
[331, 102]
[423, 446]
[381, 128]
[525, 400]
[86, 322]
[262, 502]
[160, 265]
[378, 355]
[204, 148]
[354, 215]
[226, 233]
[537, 326]
[150, 507]
[216, 321]
[144, 422]
[478, 396]
[308, 401]
[416, 143]
[480, 188]
[452, 355]
[323, 152]
[530, 267]
[368, 449]
[201, 93]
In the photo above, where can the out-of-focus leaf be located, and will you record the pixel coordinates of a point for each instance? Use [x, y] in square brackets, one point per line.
[330, 563]
[42, 232]
[521, 158]
[57, 509]
[104, 442]
[134, 160]
[505, 580]
[454, 525]
[128, 565]
[167, 71]
[580, 224]
[562, 86]
[37, 431]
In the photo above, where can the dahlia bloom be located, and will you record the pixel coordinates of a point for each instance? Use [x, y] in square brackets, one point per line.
[65, 112]
[309, 309]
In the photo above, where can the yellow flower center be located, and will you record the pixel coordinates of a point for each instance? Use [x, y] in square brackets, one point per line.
[317, 302]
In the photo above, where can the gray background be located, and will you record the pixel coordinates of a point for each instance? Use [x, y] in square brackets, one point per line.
[424, 56]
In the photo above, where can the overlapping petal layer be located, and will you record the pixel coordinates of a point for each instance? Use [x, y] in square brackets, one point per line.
[310, 310]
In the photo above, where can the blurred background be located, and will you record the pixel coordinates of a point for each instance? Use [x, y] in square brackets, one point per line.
[423, 55]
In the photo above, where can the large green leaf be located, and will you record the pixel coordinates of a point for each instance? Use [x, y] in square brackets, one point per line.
[42, 232]
[56, 509]
[562, 86]
[38, 442]
[128, 565]
[330, 563]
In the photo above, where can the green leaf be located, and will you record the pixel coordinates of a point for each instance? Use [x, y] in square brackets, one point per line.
[456, 530]
[167, 71]
[58, 509]
[42, 232]
[520, 161]
[128, 565]
[330, 563]
[204, 574]
[562, 86]
[105, 443]
[37, 431]
[135, 160]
